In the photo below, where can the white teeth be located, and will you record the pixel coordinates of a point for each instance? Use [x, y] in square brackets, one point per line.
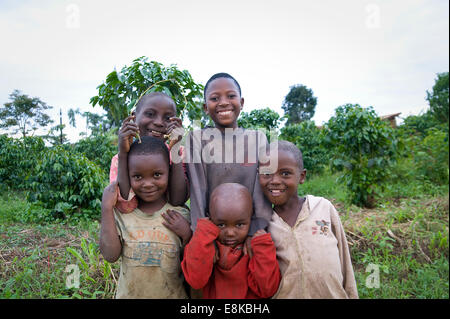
[224, 112]
[276, 191]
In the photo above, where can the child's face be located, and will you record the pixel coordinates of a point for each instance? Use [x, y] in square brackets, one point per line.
[232, 216]
[282, 185]
[154, 116]
[223, 103]
[149, 176]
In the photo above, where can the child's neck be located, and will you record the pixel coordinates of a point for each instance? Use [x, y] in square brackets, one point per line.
[222, 128]
[151, 207]
[290, 210]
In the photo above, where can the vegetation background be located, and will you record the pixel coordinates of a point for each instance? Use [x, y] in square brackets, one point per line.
[389, 184]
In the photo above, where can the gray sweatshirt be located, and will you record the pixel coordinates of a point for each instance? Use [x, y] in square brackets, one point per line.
[213, 158]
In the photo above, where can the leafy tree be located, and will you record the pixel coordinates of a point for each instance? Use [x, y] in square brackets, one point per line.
[299, 105]
[121, 90]
[24, 113]
[417, 125]
[438, 98]
[262, 118]
[97, 123]
[364, 146]
[309, 139]
[56, 136]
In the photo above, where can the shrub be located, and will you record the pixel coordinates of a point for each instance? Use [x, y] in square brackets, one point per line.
[99, 149]
[431, 157]
[69, 184]
[365, 147]
[18, 160]
[308, 138]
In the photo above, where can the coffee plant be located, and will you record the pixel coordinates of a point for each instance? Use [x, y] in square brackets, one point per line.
[364, 148]
[68, 184]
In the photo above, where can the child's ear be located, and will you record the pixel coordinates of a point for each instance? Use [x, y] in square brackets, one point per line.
[242, 103]
[205, 108]
[302, 178]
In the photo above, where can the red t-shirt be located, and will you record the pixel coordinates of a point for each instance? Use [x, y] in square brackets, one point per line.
[234, 275]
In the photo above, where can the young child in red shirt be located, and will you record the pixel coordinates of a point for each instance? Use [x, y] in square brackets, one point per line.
[214, 260]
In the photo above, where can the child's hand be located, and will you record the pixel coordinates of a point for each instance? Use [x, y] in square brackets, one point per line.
[175, 131]
[247, 244]
[128, 130]
[178, 224]
[259, 233]
[248, 247]
[109, 198]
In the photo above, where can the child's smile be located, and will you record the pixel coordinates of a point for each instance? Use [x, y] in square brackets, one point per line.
[280, 186]
[149, 176]
[223, 103]
[154, 116]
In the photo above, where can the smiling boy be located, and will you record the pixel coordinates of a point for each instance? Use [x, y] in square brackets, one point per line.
[311, 246]
[225, 272]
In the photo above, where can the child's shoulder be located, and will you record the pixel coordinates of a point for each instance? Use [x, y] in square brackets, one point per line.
[322, 206]
[318, 202]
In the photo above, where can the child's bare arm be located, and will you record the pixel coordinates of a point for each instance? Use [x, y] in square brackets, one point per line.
[178, 185]
[128, 130]
[110, 245]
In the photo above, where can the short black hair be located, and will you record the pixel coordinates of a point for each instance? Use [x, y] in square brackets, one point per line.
[149, 145]
[218, 76]
[293, 149]
[148, 96]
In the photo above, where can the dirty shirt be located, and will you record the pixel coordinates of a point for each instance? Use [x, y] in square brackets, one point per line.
[313, 255]
[150, 255]
[213, 158]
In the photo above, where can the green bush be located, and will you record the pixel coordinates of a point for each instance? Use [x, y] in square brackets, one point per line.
[69, 184]
[416, 125]
[364, 147]
[309, 139]
[431, 157]
[99, 149]
[18, 160]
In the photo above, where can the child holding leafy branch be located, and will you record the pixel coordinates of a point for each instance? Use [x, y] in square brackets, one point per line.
[155, 115]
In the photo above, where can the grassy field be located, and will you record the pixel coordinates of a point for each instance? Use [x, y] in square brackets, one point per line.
[399, 249]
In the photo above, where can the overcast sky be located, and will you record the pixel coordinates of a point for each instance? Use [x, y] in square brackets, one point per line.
[383, 54]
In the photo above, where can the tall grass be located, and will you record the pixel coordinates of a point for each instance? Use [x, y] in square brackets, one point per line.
[404, 239]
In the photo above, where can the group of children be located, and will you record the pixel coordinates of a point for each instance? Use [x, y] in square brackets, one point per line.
[247, 234]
